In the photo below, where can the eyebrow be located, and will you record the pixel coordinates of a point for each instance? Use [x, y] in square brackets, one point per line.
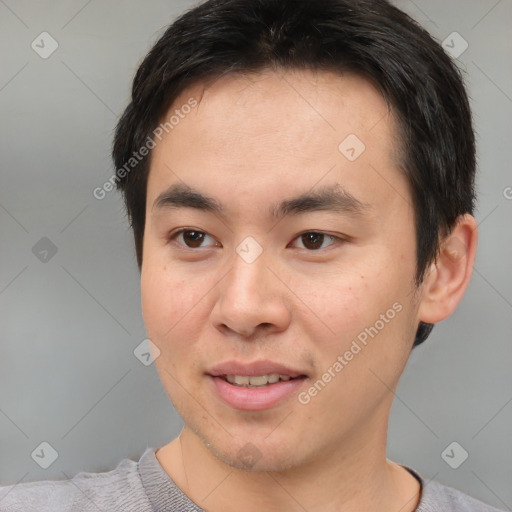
[330, 198]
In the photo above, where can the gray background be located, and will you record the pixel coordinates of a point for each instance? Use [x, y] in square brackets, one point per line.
[69, 325]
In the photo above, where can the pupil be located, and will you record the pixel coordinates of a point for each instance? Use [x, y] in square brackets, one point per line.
[315, 239]
[193, 238]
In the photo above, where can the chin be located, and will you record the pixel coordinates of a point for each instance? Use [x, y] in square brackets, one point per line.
[251, 459]
[251, 454]
[249, 446]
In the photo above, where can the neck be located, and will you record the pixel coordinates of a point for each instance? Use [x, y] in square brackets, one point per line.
[355, 477]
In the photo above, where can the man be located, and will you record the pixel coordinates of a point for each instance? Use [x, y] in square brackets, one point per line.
[299, 177]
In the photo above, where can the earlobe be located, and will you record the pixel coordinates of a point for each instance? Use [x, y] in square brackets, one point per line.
[449, 275]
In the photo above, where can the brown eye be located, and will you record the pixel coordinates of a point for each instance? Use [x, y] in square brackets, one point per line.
[191, 238]
[314, 240]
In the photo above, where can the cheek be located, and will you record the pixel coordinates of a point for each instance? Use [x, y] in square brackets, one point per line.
[174, 316]
[158, 303]
[348, 306]
[170, 303]
[334, 305]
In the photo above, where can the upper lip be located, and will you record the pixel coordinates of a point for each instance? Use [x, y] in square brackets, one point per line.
[252, 369]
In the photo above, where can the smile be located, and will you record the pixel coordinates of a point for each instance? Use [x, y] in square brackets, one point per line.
[255, 397]
[256, 381]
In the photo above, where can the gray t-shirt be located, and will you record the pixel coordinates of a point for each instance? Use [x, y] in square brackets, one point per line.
[144, 486]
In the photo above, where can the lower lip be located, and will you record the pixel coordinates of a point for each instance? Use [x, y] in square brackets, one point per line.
[256, 399]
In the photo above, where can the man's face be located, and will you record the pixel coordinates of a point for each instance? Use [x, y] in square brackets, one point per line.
[322, 288]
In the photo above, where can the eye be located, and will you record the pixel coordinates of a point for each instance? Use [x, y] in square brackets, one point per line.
[194, 239]
[191, 238]
[314, 240]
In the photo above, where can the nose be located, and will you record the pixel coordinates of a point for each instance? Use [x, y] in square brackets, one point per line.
[251, 301]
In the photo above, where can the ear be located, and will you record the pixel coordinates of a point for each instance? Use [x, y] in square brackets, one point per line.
[448, 278]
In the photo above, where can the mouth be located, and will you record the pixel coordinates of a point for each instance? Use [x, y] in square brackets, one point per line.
[255, 386]
[256, 373]
[258, 381]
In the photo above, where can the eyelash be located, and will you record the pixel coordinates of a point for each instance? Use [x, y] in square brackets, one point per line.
[336, 239]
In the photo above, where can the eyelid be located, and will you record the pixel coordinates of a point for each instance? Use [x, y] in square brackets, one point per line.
[174, 234]
[336, 238]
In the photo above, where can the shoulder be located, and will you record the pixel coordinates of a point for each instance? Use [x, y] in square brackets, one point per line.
[436, 497]
[445, 499]
[119, 489]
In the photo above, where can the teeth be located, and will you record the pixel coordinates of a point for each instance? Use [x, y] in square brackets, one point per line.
[273, 378]
[257, 380]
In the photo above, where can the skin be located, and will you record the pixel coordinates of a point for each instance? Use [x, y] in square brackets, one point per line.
[251, 142]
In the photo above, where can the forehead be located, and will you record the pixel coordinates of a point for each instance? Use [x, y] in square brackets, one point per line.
[276, 130]
[284, 101]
